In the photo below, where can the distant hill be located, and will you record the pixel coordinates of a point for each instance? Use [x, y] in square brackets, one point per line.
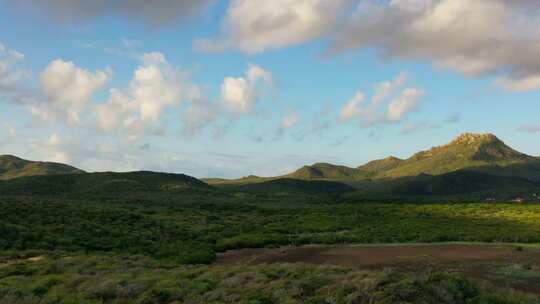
[13, 167]
[104, 183]
[468, 151]
[465, 152]
[326, 171]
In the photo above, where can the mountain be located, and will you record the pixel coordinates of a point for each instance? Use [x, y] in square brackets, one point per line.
[104, 183]
[468, 151]
[465, 152]
[13, 167]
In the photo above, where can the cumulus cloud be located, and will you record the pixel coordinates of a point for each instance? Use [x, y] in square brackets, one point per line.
[154, 13]
[69, 88]
[387, 92]
[239, 94]
[156, 85]
[254, 26]
[476, 38]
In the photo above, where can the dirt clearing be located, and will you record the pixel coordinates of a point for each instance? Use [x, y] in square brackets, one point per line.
[373, 256]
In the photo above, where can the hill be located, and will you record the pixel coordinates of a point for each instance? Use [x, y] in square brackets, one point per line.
[325, 171]
[104, 183]
[468, 151]
[13, 167]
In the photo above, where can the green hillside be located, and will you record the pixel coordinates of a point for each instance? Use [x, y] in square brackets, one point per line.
[103, 184]
[373, 167]
[13, 167]
[468, 151]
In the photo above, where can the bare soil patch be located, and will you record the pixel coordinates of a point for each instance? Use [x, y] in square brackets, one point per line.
[371, 256]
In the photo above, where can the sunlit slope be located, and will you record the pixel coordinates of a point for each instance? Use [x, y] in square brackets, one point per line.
[13, 167]
[468, 151]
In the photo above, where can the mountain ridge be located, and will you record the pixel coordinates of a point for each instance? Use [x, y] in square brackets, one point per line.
[467, 151]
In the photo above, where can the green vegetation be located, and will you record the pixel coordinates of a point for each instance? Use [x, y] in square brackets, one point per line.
[146, 237]
[464, 182]
[465, 152]
[13, 167]
[103, 184]
[193, 228]
[63, 279]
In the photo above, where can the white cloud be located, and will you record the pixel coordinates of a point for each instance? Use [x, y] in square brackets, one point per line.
[403, 104]
[254, 26]
[68, 88]
[384, 93]
[475, 38]
[154, 13]
[239, 94]
[156, 85]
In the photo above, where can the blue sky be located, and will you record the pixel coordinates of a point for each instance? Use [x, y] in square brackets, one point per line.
[236, 87]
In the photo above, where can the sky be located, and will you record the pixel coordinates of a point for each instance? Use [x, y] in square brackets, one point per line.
[229, 88]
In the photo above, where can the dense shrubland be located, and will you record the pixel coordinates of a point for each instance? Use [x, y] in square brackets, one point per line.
[190, 230]
[63, 279]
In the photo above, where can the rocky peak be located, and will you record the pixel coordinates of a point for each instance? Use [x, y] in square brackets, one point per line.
[474, 138]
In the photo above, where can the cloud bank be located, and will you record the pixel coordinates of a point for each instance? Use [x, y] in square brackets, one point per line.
[481, 38]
